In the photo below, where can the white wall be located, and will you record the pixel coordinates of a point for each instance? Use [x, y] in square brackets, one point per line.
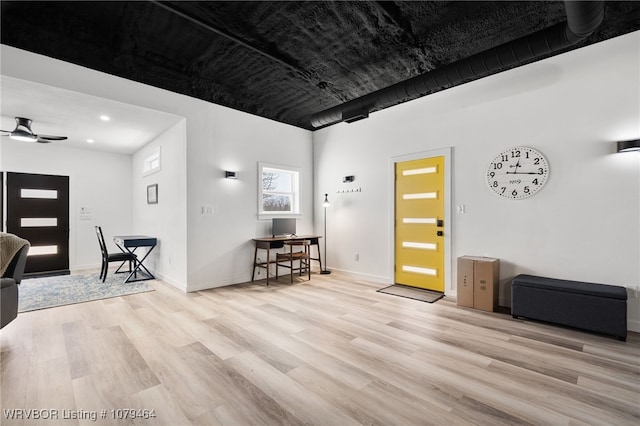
[583, 225]
[98, 181]
[166, 220]
[219, 250]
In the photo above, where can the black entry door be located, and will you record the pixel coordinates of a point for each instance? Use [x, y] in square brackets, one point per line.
[38, 211]
[2, 201]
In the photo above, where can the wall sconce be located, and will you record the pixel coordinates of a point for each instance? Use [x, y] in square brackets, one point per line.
[348, 179]
[629, 146]
[230, 175]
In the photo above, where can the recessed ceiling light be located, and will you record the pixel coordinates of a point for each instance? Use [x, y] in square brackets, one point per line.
[90, 141]
[105, 118]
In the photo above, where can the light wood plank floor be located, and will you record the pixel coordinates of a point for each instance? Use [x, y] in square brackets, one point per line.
[330, 351]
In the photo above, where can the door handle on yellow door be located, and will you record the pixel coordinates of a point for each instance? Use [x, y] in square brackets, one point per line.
[439, 233]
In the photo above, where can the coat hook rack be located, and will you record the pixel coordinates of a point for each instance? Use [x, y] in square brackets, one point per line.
[348, 191]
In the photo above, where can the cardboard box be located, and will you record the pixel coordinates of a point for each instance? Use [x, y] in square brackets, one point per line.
[465, 282]
[478, 280]
[486, 284]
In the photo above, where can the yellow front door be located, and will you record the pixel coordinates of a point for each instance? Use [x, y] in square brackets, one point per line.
[419, 223]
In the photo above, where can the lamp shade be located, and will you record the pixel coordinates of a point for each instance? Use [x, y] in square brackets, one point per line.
[628, 146]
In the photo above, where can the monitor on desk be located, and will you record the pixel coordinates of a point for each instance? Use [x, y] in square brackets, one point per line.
[283, 227]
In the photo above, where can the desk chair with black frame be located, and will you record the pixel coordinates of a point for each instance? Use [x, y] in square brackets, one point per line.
[112, 257]
[303, 256]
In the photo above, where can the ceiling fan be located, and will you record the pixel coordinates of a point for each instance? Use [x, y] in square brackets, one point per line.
[23, 133]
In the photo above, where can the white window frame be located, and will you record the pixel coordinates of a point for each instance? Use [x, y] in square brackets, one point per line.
[295, 191]
[151, 163]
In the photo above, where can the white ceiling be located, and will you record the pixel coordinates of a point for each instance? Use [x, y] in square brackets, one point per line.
[60, 112]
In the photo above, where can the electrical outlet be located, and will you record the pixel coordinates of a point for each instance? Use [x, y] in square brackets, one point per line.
[632, 293]
[356, 257]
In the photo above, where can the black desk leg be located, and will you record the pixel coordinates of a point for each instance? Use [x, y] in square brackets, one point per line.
[138, 266]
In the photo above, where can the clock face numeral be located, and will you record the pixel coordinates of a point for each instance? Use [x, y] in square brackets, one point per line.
[517, 173]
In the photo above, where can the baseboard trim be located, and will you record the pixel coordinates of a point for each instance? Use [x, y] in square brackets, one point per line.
[361, 276]
[171, 282]
[219, 283]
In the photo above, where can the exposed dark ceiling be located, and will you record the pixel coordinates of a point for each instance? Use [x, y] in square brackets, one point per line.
[282, 60]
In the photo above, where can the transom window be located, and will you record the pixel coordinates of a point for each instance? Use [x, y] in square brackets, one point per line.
[279, 190]
[151, 163]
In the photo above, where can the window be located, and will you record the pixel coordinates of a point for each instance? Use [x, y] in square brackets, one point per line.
[151, 163]
[279, 190]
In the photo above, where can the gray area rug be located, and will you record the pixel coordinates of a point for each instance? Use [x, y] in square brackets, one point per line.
[412, 293]
[42, 293]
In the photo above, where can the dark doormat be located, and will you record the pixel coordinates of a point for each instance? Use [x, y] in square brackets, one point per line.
[412, 293]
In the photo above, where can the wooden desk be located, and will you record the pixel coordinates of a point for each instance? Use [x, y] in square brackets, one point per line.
[269, 243]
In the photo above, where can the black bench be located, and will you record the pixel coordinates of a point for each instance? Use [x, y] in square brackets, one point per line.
[595, 307]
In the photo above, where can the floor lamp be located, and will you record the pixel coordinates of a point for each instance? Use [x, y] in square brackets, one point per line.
[325, 204]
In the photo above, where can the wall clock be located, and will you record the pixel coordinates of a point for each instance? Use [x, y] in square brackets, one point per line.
[517, 172]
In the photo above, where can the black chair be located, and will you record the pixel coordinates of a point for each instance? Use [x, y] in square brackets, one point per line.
[112, 257]
[9, 286]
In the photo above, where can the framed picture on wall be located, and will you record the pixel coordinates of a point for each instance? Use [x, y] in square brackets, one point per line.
[152, 194]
